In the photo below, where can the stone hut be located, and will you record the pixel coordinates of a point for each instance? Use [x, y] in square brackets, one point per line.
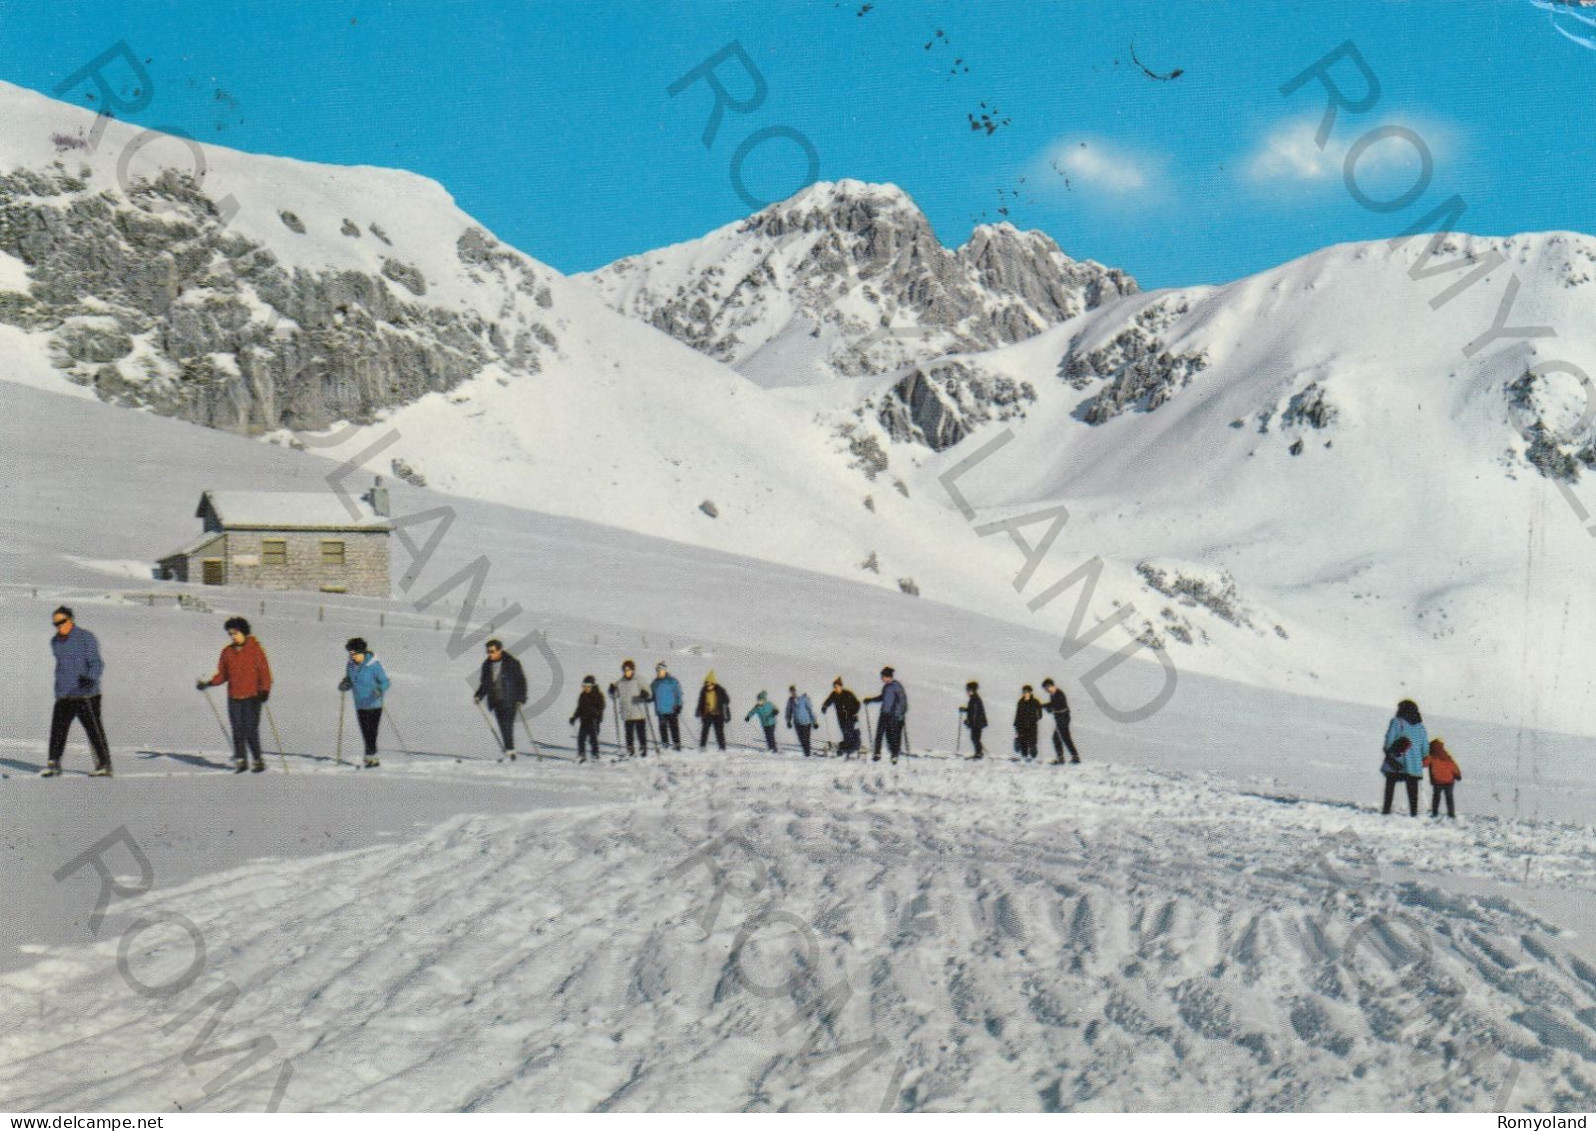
[288, 540]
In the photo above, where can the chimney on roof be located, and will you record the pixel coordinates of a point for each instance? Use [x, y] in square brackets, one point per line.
[378, 498]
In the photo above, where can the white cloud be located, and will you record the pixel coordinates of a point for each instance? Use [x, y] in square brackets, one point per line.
[1104, 168]
[1291, 152]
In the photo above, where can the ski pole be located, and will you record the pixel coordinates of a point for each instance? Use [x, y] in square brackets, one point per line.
[520, 709]
[498, 740]
[217, 715]
[653, 732]
[338, 749]
[615, 701]
[870, 732]
[388, 714]
[958, 737]
[281, 757]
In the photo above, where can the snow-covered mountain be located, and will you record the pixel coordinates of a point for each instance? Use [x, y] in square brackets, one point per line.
[277, 297]
[1207, 913]
[1331, 469]
[1297, 480]
[847, 279]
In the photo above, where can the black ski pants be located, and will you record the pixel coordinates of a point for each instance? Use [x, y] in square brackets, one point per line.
[587, 733]
[1413, 792]
[770, 738]
[720, 732]
[637, 731]
[87, 711]
[243, 715]
[1026, 737]
[670, 730]
[504, 713]
[891, 729]
[804, 730]
[370, 725]
[1436, 793]
[975, 741]
[1062, 740]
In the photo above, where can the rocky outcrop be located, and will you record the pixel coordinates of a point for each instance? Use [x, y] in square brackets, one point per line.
[1137, 371]
[858, 269]
[149, 299]
[940, 405]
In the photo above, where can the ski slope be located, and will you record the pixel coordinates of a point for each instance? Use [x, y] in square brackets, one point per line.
[1166, 926]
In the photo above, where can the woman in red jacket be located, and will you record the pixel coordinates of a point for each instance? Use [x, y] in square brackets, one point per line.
[248, 676]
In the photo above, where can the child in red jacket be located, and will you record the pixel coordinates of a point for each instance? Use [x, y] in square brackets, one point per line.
[1443, 773]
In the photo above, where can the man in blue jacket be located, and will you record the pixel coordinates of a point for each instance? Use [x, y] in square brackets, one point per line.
[667, 694]
[78, 668]
[800, 716]
[894, 702]
[364, 676]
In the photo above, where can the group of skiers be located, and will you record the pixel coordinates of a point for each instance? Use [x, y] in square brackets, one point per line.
[247, 674]
[1028, 714]
[1409, 751]
[633, 699]
[243, 668]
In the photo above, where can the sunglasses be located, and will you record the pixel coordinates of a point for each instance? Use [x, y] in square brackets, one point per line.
[59, 623]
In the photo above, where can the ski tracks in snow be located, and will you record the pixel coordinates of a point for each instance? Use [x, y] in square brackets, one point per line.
[753, 933]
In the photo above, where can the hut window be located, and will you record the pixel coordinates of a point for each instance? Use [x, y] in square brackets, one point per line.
[332, 553]
[274, 551]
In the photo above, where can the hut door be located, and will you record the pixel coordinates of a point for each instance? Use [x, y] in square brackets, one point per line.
[215, 571]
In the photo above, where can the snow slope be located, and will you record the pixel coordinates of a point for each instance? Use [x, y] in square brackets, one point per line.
[759, 934]
[1165, 926]
[1310, 449]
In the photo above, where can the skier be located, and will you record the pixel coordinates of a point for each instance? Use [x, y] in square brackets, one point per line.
[590, 714]
[78, 668]
[364, 676]
[1444, 773]
[766, 710]
[1405, 744]
[974, 712]
[1027, 717]
[800, 716]
[631, 700]
[667, 694]
[243, 667]
[894, 702]
[714, 709]
[847, 704]
[1059, 707]
[503, 685]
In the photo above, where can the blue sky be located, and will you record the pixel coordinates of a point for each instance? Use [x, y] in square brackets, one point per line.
[551, 123]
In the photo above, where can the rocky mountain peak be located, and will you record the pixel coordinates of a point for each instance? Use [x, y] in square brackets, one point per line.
[847, 278]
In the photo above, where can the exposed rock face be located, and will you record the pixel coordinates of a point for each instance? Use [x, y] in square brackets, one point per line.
[940, 405]
[148, 298]
[1138, 373]
[1550, 411]
[856, 270]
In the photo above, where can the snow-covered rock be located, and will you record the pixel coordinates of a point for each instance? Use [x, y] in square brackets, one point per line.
[848, 279]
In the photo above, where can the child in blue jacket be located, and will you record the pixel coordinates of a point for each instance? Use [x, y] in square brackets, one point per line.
[363, 676]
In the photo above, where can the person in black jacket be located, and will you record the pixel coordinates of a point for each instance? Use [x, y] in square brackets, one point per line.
[714, 709]
[974, 713]
[503, 685]
[590, 718]
[1060, 709]
[847, 704]
[1027, 717]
